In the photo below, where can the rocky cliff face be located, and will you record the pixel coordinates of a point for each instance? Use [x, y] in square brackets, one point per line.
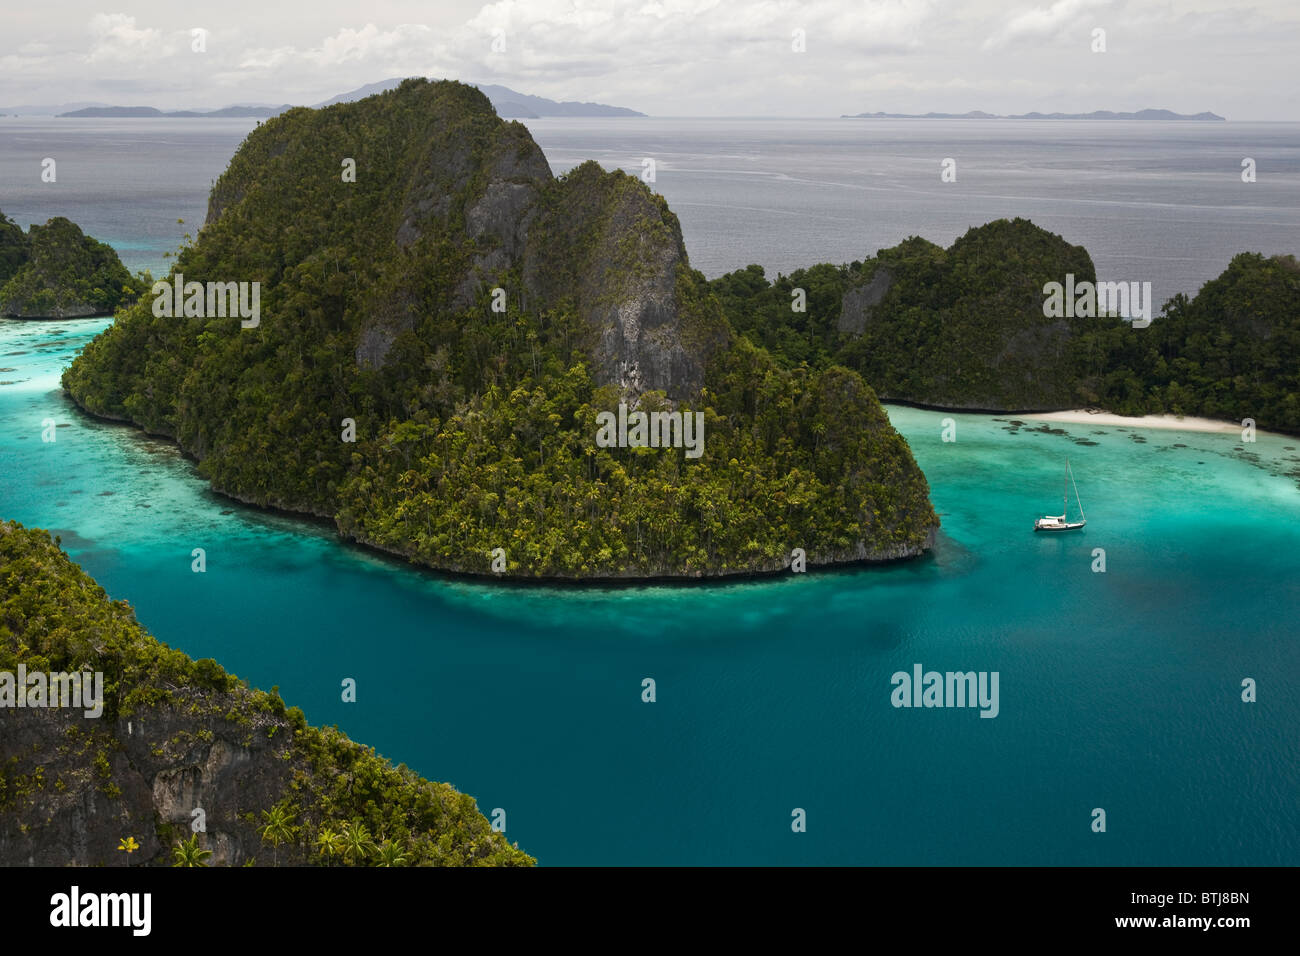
[595, 241]
[487, 194]
[611, 249]
[858, 301]
[157, 767]
[480, 208]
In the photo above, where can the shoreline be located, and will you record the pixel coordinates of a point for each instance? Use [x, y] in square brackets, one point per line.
[1187, 423]
[594, 581]
[1093, 416]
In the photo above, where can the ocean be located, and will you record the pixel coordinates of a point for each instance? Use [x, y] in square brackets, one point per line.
[1119, 689]
[1161, 202]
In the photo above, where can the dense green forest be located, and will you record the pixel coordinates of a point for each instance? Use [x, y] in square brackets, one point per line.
[1232, 352]
[957, 328]
[14, 248]
[57, 271]
[278, 790]
[468, 315]
[965, 328]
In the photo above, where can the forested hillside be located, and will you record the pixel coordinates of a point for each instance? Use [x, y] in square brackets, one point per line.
[964, 327]
[177, 734]
[470, 315]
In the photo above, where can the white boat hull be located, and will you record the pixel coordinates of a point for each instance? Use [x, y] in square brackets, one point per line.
[1052, 524]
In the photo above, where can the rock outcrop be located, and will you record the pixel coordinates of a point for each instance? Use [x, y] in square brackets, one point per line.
[608, 247]
[858, 301]
[181, 748]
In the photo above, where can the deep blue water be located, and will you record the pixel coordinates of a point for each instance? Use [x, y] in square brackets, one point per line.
[1161, 202]
[1119, 690]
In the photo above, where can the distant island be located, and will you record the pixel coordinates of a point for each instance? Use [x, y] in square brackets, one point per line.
[1095, 115]
[508, 103]
[229, 112]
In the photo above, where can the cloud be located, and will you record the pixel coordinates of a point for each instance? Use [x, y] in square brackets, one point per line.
[372, 44]
[636, 34]
[678, 57]
[362, 55]
[1045, 23]
[267, 59]
[116, 38]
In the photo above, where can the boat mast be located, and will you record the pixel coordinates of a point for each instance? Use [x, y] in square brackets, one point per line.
[1065, 492]
[1076, 491]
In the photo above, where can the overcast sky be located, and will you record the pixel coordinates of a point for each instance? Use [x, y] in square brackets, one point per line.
[673, 57]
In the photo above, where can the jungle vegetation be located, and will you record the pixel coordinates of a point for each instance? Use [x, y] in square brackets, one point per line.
[474, 426]
[964, 327]
[307, 794]
[57, 271]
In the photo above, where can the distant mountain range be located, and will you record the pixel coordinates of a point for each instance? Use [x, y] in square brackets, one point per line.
[1096, 115]
[509, 104]
[36, 109]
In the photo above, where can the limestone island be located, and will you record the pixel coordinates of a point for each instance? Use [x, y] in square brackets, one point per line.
[444, 325]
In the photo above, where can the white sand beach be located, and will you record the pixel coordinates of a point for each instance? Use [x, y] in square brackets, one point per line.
[1082, 416]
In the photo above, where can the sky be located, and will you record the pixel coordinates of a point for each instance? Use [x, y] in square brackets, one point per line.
[673, 57]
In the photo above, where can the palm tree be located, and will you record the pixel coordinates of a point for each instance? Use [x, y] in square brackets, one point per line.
[357, 842]
[391, 854]
[277, 829]
[329, 843]
[189, 853]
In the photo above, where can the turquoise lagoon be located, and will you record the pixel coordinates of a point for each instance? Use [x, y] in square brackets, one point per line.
[1119, 690]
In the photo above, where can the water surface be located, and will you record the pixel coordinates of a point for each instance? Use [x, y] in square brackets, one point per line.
[1119, 690]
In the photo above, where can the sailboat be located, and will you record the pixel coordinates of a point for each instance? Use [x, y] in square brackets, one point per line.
[1060, 522]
